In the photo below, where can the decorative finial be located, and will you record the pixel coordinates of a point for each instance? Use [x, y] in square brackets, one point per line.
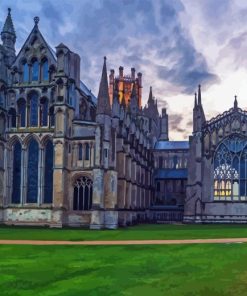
[235, 102]
[36, 20]
[104, 58]
[9, 10]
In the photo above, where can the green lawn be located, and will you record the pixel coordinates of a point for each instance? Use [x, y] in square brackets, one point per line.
[139, 232]
[173, 270]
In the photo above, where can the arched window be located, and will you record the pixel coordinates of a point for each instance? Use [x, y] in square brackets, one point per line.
[2, 124]
[22, 112]
[12, 117]
[16, 181]
[52, 116]
[25, 72]
[87, 152]
[43, 112]
[45, 70]
[175, 162]
[48, 185]
[32, 171]
[33, 116]
[35, 70]
[80, 151]
[230, 167]
[83, 193]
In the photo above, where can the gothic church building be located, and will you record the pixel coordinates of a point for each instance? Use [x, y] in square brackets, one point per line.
[68, 158]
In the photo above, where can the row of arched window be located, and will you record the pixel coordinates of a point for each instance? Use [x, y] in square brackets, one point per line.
[31, 172]
[32, 112]
[35, 71]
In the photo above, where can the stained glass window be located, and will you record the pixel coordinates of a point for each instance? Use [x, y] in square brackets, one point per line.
[32, 171]
[230, 167]
[35, 71]
[25, 72]
[45, 71]
[48, 188]
[16, 182]
[43, 112]
[22, 112]
[33, 109]
[83, 193]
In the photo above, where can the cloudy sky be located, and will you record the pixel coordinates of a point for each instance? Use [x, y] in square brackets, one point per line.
[176, 44]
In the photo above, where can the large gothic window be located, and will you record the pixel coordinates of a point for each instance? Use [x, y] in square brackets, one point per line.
[33, 109]
[32, 171]
[83, 193]
[25, 74]
[35, 70]
[16, 181]
[43, 112]
[22, 112]
[48, 186]
[230, 170]
[45, 70]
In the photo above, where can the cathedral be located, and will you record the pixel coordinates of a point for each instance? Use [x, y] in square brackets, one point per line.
[69, 158]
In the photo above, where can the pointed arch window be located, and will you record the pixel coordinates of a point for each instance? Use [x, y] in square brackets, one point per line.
[230, 167]
[16, 181]
[32, 171]
[45, 70]
[33, 116]
[80, 151]
[52, 116]
[87, 152]
[83, 193]
[48, 184]
[25, 72]
[12, 117]
[43, 112]
[35, 70]
[22, 112]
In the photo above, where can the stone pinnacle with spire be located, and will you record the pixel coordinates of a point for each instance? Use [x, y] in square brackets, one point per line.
[199, 95]
[8, 26]
[150, 97]
[195, 102]
[103, 103]
[235, 103]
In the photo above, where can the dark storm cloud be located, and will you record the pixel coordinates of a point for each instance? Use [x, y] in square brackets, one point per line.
[175, 121]
[144, 34]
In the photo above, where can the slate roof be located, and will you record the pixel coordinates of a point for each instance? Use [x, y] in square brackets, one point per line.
[171, 145]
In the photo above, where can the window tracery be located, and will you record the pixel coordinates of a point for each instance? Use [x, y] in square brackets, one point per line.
[230, 170]
[83, 193]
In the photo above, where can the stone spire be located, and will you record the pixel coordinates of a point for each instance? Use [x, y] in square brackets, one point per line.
[115, 103]
[8, 37]
[150, 97]
[103, 104]
[8, 26]
[235, 103]
[195, 103]
[199, 95]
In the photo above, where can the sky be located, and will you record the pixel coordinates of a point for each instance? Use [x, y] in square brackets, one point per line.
[175, 44]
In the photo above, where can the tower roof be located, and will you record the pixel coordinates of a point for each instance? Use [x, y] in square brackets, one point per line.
[103, 104]
[199, 95]
[8, 26]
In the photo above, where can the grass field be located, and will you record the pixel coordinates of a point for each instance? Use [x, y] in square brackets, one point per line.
[175, 270]
[139, 232]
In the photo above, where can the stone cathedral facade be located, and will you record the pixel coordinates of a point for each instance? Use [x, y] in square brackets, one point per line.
[68, 158]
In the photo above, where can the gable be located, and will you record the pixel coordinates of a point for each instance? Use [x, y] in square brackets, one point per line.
[34, 47]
